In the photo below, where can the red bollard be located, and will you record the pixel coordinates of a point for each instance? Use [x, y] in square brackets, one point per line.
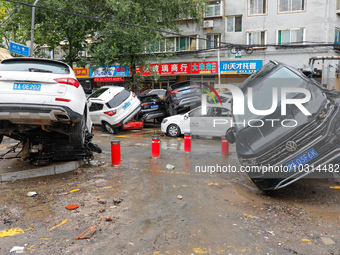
[187, 142]
[156, 146]
[115, 152]
[224, 147]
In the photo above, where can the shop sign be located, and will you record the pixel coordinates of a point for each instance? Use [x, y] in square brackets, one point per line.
[204, 68]
[109, 71]
[165, 69]
[109, 79]
[81, 72]
[250, 66]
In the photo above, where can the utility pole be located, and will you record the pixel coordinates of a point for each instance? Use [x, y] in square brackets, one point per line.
[32, 27]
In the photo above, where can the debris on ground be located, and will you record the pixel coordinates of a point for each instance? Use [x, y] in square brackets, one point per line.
[17, 249]
[117, 201]
[170, 167]
[32, 194]
[179, 197]
[87, 234]
[72, 207]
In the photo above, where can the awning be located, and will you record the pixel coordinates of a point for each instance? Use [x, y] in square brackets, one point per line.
[4, 53]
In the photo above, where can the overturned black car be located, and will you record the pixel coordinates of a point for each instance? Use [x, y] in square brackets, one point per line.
[298, 135]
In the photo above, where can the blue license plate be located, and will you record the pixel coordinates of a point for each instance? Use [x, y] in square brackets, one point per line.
[154, 106]
[27, 86]
[126, 105]
[302, 159]
[186, 91]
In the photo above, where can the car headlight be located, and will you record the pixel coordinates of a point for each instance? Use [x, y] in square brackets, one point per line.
[164, 120]
[248, 161]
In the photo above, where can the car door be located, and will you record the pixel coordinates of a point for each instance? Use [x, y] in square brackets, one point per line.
[218, 121]
[96, 110]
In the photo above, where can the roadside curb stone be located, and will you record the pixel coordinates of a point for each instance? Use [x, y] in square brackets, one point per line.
[41, 171]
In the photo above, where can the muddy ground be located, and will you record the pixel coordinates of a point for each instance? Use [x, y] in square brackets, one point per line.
[155, 210]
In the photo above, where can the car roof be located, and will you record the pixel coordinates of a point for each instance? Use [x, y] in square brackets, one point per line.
[110, 92]
[7, 60]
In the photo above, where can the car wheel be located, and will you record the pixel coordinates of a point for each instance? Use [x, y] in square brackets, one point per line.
[77, 134]
[173, 130]
[109, 128]
[159, 120]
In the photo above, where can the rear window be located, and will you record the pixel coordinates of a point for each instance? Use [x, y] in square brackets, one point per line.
[179, 85]
[27, 65]
[98, 93]
[149, 98]
[118, 99]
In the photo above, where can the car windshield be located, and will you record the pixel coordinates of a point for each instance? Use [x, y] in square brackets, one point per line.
[118, 99]
[262, 95]
[224, 99]
[98, 93]
[26, 65]
[180, 85]
[149, 98]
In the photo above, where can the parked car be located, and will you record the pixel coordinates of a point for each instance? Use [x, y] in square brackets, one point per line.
[215, 123]
[112, 106]
[152, 107]
[181, 96]
[310, 142]
[42, 102]
[226, 98]
[159, 92]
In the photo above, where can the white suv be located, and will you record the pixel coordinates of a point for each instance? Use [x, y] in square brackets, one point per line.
[112, 106]
[42, 102]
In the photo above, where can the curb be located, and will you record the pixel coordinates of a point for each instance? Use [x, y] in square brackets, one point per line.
[42, 171]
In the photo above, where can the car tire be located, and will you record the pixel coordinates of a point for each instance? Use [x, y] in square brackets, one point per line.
[159, 120]
[173, 130]
[109, 128]
[77, 134]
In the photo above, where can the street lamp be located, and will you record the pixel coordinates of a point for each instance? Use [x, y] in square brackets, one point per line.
[32, 27]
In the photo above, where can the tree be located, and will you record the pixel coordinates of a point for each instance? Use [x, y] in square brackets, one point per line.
[54, 30]
[138, 25]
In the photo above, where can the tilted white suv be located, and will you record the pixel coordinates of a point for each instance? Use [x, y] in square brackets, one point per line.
[112, 106]
[42, 101]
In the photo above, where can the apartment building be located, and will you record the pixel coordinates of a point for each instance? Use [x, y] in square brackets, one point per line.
[289, 31]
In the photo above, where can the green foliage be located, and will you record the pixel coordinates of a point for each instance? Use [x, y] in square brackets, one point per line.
[123, 44]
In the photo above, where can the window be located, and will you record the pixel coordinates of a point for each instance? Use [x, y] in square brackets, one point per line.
[214, 9]
[234, 24]
[291, 36]
[291, 5]
[96, 107]
[337, 36]
[212, 41]
[186, 43]
[161, 46]
[257, 7]
[256, 37]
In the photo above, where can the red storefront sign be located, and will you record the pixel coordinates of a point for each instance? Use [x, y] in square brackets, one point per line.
[204, 68]
[165, 69]
[81, 72]
[108, 79]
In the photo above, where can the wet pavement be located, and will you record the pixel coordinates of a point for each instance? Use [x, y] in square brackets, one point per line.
[155, 210]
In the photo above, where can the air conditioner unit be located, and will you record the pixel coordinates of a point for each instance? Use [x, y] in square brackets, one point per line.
[208, 23]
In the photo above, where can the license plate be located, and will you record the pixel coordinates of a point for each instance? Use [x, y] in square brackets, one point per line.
[27, 86]
[302, 159]
[186, 91]
[154, 106]
[126, 105]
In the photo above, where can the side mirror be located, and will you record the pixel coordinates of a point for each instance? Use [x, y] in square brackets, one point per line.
[230, 135]
[186, 116]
